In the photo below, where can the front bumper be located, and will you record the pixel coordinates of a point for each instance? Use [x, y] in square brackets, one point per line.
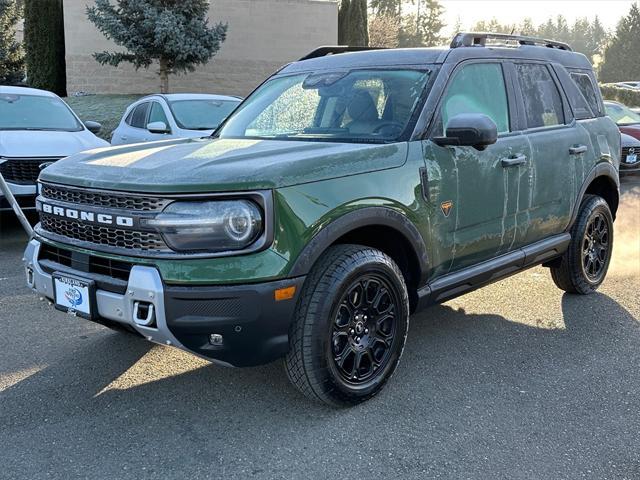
[253, 326]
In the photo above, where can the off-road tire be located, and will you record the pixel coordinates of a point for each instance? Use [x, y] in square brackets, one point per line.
[311, 364]
[570, 274]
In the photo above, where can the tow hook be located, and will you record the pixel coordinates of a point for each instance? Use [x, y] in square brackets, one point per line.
[144, 314]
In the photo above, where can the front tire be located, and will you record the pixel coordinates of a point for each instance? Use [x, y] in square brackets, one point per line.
[584, 265]
[350, 326]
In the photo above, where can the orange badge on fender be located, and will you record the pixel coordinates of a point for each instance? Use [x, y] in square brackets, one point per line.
[446, 207]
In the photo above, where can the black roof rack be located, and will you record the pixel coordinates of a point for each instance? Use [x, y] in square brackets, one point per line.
[471, 39]
[334, 50]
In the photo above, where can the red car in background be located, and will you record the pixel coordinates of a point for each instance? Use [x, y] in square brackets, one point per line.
[627, 120]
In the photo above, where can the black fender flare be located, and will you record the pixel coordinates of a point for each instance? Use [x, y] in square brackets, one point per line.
[362, 217]
[602, 169]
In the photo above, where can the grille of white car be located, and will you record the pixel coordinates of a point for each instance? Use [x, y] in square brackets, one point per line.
[23, 171]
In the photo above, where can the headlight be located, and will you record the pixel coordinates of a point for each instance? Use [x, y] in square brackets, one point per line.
[215, 226]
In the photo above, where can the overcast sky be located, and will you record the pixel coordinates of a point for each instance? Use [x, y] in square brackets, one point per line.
[512, 11]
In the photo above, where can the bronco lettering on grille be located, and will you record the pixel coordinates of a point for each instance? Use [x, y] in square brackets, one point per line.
[75, 214]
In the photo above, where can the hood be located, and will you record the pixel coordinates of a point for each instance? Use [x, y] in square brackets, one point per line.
[208, 165]
[633, 130]
[24, 143]
[629, 141]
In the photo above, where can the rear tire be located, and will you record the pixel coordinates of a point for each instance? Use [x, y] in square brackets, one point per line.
[584, 265]
[350, 326]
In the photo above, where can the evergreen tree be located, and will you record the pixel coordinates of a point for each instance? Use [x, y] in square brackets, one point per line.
[391, 8]
[527, 27]
[424, 28]
[598, 38]
[44, 45]
[620, 55]
[352, 23]
[580, 37]
[175, 33]
[11, 55]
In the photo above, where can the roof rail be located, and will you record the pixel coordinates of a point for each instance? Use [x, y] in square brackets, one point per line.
[334, 50]
[471, 39]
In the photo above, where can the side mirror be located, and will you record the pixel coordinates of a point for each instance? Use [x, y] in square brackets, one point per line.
[158, 127]
[93, 127]
[469, 130]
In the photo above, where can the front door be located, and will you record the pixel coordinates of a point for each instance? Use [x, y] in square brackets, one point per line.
[474, 193]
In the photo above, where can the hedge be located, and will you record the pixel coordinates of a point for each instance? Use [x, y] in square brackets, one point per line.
[629, 97]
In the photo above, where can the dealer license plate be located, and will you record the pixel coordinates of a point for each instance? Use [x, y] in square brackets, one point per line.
[73, 295]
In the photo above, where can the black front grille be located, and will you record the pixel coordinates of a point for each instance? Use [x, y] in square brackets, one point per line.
[51, 258]
[23, 171]
[106, 236]
[55, 254]
[103, 199]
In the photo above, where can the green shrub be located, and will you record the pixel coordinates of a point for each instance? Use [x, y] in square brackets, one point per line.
[629, 97]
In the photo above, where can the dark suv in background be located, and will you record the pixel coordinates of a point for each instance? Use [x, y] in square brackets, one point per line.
[349, 190]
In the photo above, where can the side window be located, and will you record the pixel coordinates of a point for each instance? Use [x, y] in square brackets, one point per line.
[478, 88]
[157, 114]
[542, 100]
[139, 116]
[588, 90]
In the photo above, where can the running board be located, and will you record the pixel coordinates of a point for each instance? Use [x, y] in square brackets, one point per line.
[464, 281]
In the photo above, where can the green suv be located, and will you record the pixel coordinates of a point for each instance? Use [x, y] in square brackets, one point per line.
[351, 189]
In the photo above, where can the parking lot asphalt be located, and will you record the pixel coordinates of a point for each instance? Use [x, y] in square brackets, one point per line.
[514, 381]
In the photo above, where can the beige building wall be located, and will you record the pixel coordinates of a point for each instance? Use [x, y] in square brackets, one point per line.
[263, 35]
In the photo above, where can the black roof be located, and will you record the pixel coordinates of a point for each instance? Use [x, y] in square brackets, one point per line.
[526, 49]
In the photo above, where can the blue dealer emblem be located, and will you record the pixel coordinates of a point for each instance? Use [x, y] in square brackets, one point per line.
[73, 296]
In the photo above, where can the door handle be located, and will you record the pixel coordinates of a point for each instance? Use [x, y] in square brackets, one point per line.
[577, 150]
[514, 161]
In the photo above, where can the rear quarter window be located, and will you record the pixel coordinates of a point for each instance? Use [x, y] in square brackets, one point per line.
[588, 90]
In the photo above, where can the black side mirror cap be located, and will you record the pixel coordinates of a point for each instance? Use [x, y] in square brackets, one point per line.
[93, 127]
[475, 130]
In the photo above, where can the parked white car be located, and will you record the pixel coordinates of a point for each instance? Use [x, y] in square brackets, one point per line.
[178, 115]
[631, 85]
[37, 127]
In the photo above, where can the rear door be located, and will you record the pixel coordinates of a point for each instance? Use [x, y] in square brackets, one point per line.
[558, 143]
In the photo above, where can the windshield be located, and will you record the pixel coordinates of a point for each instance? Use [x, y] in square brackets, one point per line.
[622, 115]
[344, 106]
[201, 114]
[33, 112]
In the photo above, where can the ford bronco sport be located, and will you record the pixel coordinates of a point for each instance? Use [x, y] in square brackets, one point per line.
[351, 189]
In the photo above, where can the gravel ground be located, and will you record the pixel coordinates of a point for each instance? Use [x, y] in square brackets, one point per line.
[514, 381]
